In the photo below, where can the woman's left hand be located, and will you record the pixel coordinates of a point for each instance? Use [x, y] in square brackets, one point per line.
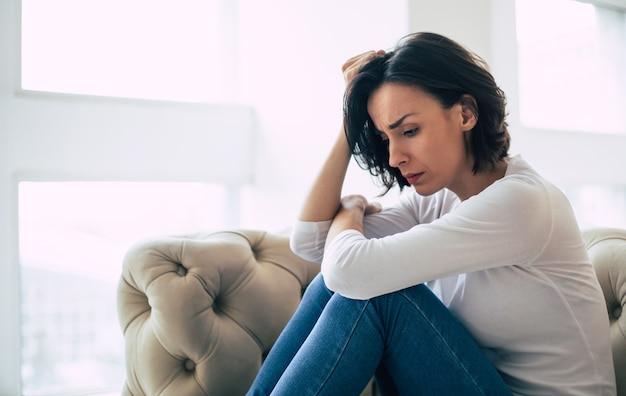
[359, 203]
[350, 215]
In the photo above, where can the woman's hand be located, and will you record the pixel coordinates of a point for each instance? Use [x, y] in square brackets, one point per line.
[352, 66]
[350, 215]
[360, 204]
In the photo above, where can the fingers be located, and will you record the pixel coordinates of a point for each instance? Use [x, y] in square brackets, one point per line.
[360, 202]
[362, 58]
[373, 207]
[352, 66]
[354, 200]
[356, 58]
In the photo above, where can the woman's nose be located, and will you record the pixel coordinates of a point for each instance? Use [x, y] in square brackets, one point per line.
[396, 154]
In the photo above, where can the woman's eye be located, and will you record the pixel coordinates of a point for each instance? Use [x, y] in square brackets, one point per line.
[411, 132]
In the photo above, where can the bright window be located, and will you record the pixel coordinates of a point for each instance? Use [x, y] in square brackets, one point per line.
[571, 62]
[572, 58]
[73, 237]
[598, 205]
[163, 49]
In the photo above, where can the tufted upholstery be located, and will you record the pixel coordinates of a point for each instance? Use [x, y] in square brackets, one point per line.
[607, 250]
[200, 311]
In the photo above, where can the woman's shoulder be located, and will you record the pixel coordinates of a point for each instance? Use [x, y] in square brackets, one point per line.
[522, 195]
[524, 182]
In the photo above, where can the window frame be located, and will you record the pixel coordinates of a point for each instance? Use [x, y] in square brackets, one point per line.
[619, 5]
[227, 51]
[35, 122]
[575, 150]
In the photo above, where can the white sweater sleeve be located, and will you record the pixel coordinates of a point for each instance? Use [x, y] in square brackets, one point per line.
[506, 224]
[308, 238]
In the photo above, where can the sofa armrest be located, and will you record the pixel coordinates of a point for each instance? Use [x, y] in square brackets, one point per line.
[200, 311]
[607, 250]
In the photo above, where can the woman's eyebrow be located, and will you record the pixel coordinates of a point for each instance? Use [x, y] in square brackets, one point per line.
[399, 122]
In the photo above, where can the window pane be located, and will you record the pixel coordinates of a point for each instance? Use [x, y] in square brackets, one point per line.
[598, 205]
[163, 49]
[572, 58]
[73, 237]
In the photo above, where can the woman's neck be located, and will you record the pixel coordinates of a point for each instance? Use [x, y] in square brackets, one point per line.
[474, 184]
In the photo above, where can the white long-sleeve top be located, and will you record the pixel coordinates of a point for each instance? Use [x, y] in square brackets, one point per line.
[509, 263]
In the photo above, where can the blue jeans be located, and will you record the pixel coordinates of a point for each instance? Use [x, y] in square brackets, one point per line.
[407, 340]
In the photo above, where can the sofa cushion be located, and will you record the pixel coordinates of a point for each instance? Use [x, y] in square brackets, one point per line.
[199, 312]
[607, 250]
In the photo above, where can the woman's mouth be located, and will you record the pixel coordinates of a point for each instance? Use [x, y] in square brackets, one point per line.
[413, 178]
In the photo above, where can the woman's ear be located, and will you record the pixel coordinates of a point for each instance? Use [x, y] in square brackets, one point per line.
[469, 111]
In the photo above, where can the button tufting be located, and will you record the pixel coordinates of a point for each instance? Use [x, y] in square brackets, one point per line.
[181, 271]
[189, 365]
[617, 312]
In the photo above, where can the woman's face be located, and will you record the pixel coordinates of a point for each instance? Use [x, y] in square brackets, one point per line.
[426, 142]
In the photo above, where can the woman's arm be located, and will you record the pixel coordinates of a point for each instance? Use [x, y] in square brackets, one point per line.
[324, 198]
[350, 215]
[323, 203]
[507, 224]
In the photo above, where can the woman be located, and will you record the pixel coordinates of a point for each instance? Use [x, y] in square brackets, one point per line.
[476, 283]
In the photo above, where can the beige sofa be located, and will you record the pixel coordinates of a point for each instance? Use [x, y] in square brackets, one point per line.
[199, 312]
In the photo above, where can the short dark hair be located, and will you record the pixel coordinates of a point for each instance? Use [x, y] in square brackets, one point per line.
[444, 69]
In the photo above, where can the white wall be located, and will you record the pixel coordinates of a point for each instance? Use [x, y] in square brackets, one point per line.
[488, 28]
[9, 336]
[468, 22]
[68, 138]
[296, 87]
[565, 157]
[291, 55]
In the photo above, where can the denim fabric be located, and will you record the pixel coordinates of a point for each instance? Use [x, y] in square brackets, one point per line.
[408, 340]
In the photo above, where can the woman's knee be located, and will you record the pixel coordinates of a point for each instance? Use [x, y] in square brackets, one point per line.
[317, 289]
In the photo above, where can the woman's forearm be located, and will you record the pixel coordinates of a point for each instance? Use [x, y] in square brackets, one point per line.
[346, 219]
[324, 198]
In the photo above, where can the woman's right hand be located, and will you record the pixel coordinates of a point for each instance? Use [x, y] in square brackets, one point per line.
[352, 66]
